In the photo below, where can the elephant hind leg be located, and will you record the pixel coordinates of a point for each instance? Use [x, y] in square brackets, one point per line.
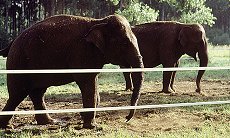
[37, 97]
[173, 77]
[172, 81]
[15, 98]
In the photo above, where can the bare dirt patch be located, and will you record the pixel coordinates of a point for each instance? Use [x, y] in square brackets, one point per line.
[145, 121]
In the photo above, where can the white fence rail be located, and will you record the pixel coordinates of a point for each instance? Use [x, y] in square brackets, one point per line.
[114, 108]
[49, 71]
[112, 70]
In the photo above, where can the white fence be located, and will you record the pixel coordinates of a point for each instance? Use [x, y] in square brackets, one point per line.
[112, 70]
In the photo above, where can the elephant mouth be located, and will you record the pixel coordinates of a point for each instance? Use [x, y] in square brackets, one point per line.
[193, 55]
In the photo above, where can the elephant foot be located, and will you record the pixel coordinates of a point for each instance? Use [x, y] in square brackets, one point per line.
[4, 122]
[198, 90]
[173, 89]
[168, 91]
[89, 125]
[5, 125]
[44, 119]
[50, 121]
[128, 88]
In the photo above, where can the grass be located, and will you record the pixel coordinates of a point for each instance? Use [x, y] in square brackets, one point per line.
[114, 81]
[208, 130]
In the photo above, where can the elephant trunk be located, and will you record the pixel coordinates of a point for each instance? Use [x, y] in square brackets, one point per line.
[137, 78]
[203, 56]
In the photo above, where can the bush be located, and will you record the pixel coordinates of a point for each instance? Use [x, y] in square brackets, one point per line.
[218, 37]
[222, 39]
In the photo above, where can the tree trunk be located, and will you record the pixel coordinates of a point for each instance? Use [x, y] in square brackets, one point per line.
[6, 18]
[60, 6]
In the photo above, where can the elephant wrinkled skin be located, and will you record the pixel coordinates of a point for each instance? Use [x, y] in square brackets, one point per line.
[69, 42]
[164, 43]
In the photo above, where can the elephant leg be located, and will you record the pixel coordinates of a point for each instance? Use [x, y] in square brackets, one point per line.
[98, 98]
[172, 80]
[89, 98]
[128, 81]
[97, 93]
[167, 75]
[37, 97]
[15, 98]
[173, 77]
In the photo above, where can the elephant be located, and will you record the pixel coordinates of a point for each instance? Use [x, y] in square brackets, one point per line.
[164, 42]
[69, 42]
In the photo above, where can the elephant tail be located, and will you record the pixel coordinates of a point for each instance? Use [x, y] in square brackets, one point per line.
[4, 52]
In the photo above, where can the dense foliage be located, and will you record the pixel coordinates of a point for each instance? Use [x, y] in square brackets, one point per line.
[16, 15]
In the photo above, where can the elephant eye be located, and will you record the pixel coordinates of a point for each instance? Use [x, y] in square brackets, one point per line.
[113, 40]
[125, 43]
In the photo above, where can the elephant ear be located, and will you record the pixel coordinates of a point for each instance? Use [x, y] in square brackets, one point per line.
[189, 38]
[183, 35]
[189, 34]
[96, 37]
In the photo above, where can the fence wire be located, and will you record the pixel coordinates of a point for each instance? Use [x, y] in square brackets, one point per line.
[112, 108]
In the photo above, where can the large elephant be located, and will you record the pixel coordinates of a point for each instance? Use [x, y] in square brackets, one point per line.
[69, 42]
[164, 43]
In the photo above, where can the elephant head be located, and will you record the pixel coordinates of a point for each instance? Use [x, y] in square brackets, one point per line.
[193, 41]
[119, 46]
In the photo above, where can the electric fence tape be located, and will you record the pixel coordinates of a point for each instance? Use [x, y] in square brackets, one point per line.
[114, 108]
[112, 70]
[49, 71]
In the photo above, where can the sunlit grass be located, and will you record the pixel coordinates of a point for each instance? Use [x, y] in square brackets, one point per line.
[208, 130]
[205, 130]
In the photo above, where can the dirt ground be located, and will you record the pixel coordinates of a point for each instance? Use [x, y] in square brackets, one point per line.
[145, 121]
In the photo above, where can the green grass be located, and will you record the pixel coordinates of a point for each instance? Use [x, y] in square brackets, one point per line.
[207, 130]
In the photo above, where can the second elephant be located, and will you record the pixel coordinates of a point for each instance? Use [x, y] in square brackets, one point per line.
[164, 43]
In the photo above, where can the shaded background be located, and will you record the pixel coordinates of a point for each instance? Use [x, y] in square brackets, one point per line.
[16, 15]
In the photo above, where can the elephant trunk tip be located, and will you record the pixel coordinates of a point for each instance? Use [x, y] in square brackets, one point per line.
[130, 116]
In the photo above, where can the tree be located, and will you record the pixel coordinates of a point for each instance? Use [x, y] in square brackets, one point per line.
[138, 12]
[220, 32]
[195, 11]
[221, 10]
[16, 15]
[187, 11]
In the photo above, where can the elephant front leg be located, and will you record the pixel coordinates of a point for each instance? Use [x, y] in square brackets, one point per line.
[128, 81]
[89, 99]
[167, 75]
